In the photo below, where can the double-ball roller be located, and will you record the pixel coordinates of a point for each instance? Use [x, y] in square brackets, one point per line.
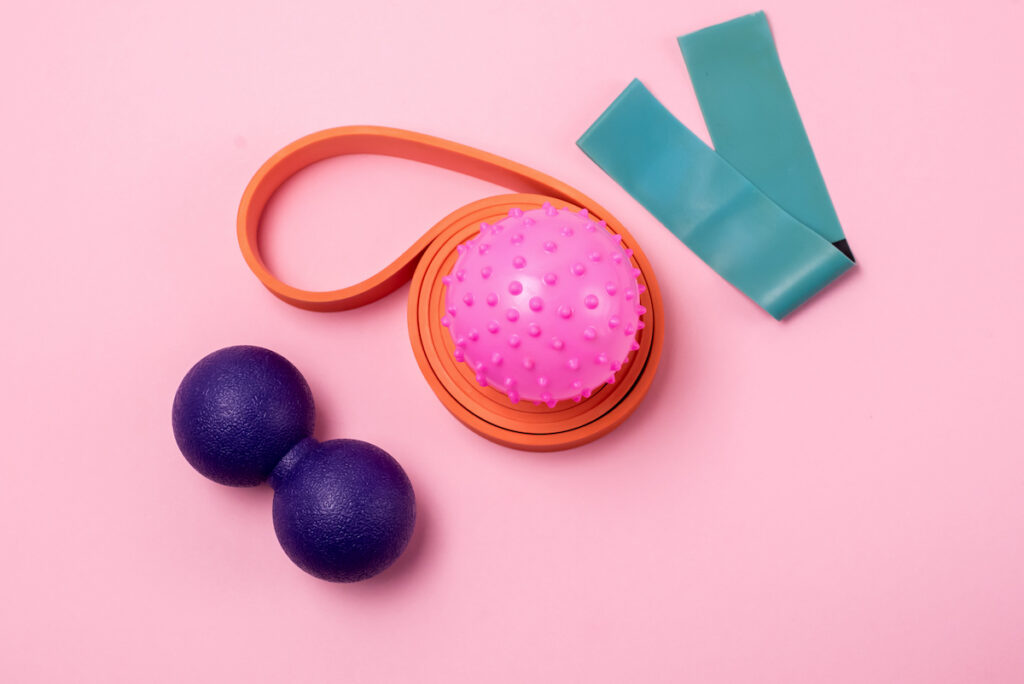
[344, 510]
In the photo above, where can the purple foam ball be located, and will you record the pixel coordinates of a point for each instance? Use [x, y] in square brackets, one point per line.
[239, 411]
[344, 510]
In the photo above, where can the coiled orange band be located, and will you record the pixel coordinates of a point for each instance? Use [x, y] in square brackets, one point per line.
[484, 410]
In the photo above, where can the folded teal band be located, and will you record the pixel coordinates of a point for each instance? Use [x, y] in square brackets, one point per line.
[764, 222]
[753, 120]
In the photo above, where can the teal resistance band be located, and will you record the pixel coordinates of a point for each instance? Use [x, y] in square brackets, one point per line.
[756, 210]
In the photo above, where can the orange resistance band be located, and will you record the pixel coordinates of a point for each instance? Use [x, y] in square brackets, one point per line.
[484, 410]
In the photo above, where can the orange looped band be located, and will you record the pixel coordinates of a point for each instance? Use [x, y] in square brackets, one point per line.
[484, 410]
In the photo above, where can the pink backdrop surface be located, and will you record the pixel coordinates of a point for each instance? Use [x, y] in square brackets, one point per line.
[838, 498]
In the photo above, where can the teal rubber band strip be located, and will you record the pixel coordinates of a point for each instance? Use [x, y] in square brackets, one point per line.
[757, 211]
[753, 120]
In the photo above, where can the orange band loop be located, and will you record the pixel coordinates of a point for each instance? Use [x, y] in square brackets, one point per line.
[484, 410]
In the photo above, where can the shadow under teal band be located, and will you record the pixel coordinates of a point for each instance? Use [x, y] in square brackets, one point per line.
[757, 210]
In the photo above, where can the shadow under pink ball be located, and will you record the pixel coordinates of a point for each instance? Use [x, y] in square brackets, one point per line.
[544, 305]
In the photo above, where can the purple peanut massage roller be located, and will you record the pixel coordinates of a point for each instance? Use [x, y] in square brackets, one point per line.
[344, 510]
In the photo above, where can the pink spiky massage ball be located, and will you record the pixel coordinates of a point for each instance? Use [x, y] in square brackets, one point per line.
[544, 305]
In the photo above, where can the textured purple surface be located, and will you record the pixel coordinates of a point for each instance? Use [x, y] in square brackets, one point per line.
[344, 510]
[238, 411]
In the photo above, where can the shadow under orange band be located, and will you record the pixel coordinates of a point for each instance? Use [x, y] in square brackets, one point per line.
[484, 410]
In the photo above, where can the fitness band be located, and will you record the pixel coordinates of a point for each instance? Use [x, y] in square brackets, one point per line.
[483, 409]
[755, 208]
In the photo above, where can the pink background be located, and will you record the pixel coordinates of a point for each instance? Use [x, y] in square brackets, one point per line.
[839, 498]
